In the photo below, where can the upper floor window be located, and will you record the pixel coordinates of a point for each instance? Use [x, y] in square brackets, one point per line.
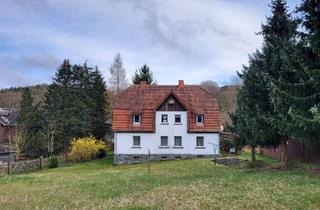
[200, 141]
[136, 141]
[177, 118]
[136, 118]
[164, 118]
[199, 118]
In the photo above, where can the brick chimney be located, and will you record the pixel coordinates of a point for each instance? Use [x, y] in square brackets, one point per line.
[181, 83]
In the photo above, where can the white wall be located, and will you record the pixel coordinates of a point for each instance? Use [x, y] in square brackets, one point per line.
[151, 141]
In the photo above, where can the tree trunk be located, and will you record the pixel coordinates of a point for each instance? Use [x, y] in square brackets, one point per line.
[284, 155]
[253, 154]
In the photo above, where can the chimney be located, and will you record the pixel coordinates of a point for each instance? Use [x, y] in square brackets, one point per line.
[181, 83]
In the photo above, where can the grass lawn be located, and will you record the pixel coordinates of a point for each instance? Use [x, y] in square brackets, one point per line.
[181, 184]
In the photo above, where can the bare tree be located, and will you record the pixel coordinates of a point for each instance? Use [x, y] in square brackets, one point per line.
[211, 87]
[118, 76]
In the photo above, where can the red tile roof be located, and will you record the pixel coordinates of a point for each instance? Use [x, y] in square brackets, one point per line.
[140, 98]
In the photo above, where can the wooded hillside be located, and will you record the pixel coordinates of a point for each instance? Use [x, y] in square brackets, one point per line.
[226, 95]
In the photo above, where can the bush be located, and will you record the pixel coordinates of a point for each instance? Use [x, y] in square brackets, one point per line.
[101, 153]
[53, 162]
[85, 149]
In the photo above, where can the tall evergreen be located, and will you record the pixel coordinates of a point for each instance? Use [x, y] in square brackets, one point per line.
[303, 95]
[100, 104]
[256, 114]
[30, 126]
[58, 106]
[143, 74]
[281, 64]
[250, 127]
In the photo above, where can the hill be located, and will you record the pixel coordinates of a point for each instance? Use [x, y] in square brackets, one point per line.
[10, 98]
[227, 98]
[226, 95]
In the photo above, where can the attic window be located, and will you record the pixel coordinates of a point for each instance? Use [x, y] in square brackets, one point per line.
[171, 101]
[136, 119]
[199, 118]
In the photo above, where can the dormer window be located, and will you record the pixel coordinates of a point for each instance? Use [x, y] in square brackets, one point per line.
[171, 101]
[136, 119]
[199, 118]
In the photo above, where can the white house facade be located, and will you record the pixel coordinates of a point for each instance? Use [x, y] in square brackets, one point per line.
[172, 134]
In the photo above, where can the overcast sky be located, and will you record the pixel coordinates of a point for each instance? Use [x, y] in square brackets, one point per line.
[179, 39]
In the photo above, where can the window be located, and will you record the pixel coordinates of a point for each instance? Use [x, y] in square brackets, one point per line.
[177, 118]
[199, 118]
[164, 141]
[178, 141]
[136, 119]
[136, 141]
[164, 118]
[200, 141]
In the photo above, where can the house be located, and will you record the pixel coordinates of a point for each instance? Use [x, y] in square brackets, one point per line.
[160, 122]
[8, 122]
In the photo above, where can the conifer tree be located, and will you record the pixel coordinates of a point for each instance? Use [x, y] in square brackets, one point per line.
[143, 74]
[302, 96]
[274, 62]
[100, 105]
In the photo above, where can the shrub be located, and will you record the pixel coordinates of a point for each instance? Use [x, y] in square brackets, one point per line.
[85, 149]
[53, 162]
[101, 153]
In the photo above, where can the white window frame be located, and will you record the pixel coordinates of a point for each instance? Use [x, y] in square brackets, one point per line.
[202, 119]
[133, 141]
[200, 138]
[162, 122]
[134, 119]
[166, 138]
[177, 115]
[175, 138]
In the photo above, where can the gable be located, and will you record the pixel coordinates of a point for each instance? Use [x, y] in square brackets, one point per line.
[171, 103]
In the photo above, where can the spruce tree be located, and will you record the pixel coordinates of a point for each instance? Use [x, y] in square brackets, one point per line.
[58, 106]
[30, 126]
[143, 74]
[100, 105]
[275, 62]
[302, 96]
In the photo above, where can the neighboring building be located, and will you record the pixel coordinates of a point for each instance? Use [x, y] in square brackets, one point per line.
[167, 121]
[8, 122]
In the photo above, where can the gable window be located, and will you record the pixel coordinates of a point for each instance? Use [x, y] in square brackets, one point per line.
[178, 141]
[200, 141]
[177, 118]
[136, 141]
[164, 118]
[164, 141]
[199, 118]
[136, 119]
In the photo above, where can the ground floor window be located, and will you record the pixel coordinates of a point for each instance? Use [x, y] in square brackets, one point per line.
[136, 141]
[200, 141]
[178, 141]
[164, 141]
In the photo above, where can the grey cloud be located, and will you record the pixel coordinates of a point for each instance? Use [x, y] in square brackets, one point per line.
[41, 60]
[12, 77]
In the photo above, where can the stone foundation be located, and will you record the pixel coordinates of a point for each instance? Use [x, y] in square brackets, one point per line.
[120, 159]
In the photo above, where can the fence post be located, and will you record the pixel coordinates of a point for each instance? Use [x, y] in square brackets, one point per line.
[9, 167]
[41, 162]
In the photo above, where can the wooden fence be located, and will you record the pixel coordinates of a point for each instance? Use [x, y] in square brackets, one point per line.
[297, 151]
[27, 165]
